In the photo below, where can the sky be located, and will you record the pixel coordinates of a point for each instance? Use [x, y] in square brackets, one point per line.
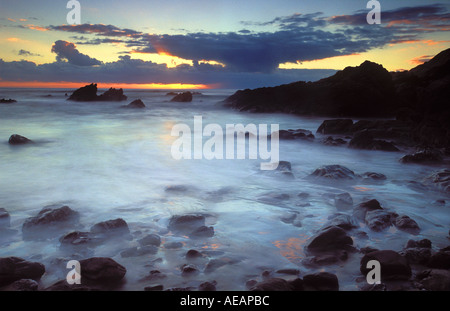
[211, 44]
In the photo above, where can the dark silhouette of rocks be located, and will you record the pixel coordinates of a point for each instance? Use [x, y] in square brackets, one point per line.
[88, 93]
[13, 269]
[16, 139]
[135, 104]
[7, 101]
[365, 140]
[4, 218]
[417, 98]
[183, 97]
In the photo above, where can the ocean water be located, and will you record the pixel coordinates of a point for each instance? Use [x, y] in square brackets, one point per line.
[106, 162]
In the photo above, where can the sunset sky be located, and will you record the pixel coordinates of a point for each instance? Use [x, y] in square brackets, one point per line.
[210, 43]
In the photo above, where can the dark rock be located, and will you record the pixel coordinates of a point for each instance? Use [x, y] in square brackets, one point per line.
[330, 141]
[365, 140]
[77, 238]
[425, 243]
[173, 245]
[102, 270]
[24, 285]
[189, 269]
[423, 156]
[139, 251]
[150, 239]
[112, 95]
[440, 180]
[373, 176]
[417, 255]
[63, 286]
[289, 271]
[48, 219]
[176, 188]
[154, 275]
[337, 126]
[155, 288]
[89, 93]
[360, 211]
[217, 263]
[379, 220]
[334, 172]
[343, 200]
[202, 232]
[374, 288]
[325, 259]
[7, 101]
[180, 289]
[186, 224]
[85, 93]
[405, 223]
[393, 265]
[111, 227]
[5, 219]
[440, 260]
[434, 279]
[207, 287]
[322, 281]
[295, 134]
[193, 254]
[274, 285]
[135, 104]
[14, 268]
[343, 221]
[19, 140]
[330, 238]
[368, 249]
[183, 97]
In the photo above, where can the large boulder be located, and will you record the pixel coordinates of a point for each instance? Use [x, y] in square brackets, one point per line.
[379, 220]
[329, 239]
[111, 227]
[334, 172]
[277, 285]
[440, 260]
[183, 97]
[16, 139]
[14, 268]
[423, 156]
[102, 270]
[343, 221]
[295, 134]
[393, 265]
[112, 95]
[49, 220]
[7, 101]
[337, 126]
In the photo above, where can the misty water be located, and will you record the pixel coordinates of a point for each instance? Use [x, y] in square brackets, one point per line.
[106, 163]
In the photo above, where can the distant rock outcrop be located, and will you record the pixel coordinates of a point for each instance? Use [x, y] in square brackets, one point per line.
[89, 93]
[135, 104]
[18, 140]
[7, 101]
[183, 97]
[417, 98]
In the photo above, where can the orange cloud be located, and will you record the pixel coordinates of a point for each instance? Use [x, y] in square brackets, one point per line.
[34, 27]
[420, 59]
[13, 39]
[11, 20]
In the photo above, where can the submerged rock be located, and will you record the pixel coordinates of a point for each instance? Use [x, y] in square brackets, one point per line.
[274, 285]
[343, 200]
[372, 176]
[295, 134]
[365, 140]
[440, 180]
[89, 93]
[7, 101]
[5, 219]
[135, 104]
[330, 141]
[202, 232]
[393, 265]
[14, 268]
[150, 239]
[405, 223]
[440, 260]
[183, 97]
[343, 221]
[207, 286]
[423, 156]
[77, 238]
[49, 219]
[334, 172]
[114, 227]
[379, 220]
[18, 140]
[63, 286]
[185, 224]
[360, 211]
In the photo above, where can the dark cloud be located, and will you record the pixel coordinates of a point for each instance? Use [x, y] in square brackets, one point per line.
[98, 29]
[67, 51]
[127, 70]
[27, 53]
